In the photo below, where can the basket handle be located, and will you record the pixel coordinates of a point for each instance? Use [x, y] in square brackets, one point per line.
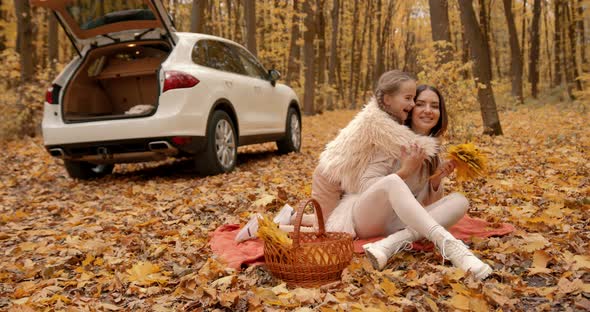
[318, 213]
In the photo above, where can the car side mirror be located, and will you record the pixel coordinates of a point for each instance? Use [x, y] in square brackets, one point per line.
[274, 75]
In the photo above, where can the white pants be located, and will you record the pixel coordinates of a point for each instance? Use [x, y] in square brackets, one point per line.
[389, 206]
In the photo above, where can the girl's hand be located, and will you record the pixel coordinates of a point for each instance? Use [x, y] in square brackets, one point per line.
[444, 170]
[411, 160]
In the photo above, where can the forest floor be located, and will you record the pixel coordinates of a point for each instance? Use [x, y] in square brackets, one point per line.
[138, 239]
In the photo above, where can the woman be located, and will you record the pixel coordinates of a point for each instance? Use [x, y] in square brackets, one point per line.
[429, 117]
[369, 161]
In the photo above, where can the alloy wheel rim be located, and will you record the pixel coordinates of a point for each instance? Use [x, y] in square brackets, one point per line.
[295, 131]
[225, 144]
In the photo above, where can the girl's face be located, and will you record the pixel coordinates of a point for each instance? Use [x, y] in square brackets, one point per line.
[426, 113]
[401, 103]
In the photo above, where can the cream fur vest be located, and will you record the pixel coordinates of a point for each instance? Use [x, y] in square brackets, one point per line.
[346, 158]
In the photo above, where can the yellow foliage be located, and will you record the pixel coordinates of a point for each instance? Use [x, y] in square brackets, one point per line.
[471, 163]
[270, 233]
[452, 79]
[21, 104]
[145, 274]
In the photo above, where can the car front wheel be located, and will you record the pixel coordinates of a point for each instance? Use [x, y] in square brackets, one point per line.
[292, 140]
[221, 153]
[83, 170]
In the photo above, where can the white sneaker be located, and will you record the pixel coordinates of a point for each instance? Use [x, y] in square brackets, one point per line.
[379, 255]
[463, 258]
[284, 215]
[249, 230]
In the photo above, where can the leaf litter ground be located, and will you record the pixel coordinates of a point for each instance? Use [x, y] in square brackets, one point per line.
[137, 240]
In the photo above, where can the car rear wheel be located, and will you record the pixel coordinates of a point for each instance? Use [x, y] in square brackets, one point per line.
[221, 153]
[292, 140]
[83, 170]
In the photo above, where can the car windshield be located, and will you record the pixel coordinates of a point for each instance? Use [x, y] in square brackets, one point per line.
[91, 14]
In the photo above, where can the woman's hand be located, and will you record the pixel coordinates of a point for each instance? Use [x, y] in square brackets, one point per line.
[411, 160]
[444, 170]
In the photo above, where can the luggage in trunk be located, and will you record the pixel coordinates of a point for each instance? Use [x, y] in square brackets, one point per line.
[116, 81]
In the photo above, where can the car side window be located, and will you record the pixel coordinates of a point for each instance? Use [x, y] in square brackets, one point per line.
[199, 54]
[221, 57]
[251, 64]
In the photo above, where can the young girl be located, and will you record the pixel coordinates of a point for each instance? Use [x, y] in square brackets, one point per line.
[370, 161]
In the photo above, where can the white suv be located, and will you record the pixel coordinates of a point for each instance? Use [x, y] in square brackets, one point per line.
[139, 91]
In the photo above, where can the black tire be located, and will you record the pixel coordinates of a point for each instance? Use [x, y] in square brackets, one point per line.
[208, 162]
[292, 140]
[84, 171]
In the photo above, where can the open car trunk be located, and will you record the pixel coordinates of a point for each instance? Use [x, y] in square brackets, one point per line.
[115, 81]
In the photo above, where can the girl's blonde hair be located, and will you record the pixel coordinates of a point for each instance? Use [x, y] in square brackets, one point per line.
[389, 83]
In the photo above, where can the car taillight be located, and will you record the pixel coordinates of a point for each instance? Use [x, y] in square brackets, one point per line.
[49, 95]
[52, 94]
[178, 80]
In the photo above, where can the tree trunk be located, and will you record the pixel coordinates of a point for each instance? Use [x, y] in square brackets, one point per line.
[351, 98]
[484, 22]
[52, 43]
[482, 69]
[439, 23]
[571, 16]
[25, 49]
[250, 8]
[198, 16]
[238, 35]
[333, 52]
[25, 38]
[293, 68]
[2, 28]
[534, 51]
[380, 68]
[230, 19]
[581, 32]
[409, 56]
[321, 33]
[309, 55]
[465, 54]
[565, 50]
[215, 15]
[408, 47]
[494, 48]
[358, 63]
[547, 48]
[523, 42]
[558, 68]
[370, 65]
[35, 30]
[340, 57]
[515, 60]
[573, 44]
[321, 59]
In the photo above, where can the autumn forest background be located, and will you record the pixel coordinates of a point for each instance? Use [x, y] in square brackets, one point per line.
[516, 71]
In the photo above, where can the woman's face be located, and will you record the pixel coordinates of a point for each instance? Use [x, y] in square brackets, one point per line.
[426, 113]
[401, 103]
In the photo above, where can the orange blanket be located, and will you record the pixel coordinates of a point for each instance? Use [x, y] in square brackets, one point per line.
[252, 251]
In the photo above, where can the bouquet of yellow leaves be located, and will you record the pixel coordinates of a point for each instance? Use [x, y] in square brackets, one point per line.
[471, 163]
[270, 233]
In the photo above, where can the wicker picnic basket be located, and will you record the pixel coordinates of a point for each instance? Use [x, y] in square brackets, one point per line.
[314, 258]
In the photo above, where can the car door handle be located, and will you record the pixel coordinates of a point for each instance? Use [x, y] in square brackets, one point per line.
[229, 83]
[257, 89]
